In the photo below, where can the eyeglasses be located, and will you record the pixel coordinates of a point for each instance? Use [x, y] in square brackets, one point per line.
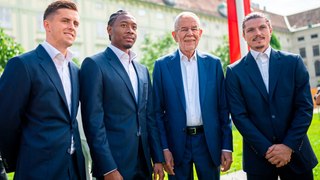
[186, 29]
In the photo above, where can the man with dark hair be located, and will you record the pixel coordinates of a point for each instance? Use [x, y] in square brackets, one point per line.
[39, 94]
[117, 110]
[269, 96]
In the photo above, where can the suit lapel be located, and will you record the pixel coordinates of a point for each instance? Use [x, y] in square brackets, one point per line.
[49, 67]
[274, 70]
[74, 88]
[176, 74]
[202, 73]
[139, 73]
[118, 67]
[254, 73]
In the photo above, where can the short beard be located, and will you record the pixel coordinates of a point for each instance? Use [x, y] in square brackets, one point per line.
[127, 46]
[260, 47]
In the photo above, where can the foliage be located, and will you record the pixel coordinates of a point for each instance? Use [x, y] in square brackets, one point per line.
[76, 61]
[274, 42]
[154, 49]
[8, 49]
[223, 53]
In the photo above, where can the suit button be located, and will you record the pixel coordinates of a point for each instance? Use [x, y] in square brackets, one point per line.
[273, 116]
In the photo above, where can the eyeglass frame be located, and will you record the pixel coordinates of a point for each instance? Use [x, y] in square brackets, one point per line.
[193, 29]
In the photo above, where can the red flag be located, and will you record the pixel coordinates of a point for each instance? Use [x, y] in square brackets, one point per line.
[237, 9]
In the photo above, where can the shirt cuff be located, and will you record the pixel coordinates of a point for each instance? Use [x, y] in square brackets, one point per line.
[226, 150]
[109, 172]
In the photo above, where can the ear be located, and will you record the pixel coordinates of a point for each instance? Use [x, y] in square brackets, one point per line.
[174, 35]
[46, 25]
[109, 30]
[200, 32]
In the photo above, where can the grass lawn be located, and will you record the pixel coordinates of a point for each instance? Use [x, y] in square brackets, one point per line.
[313, 133]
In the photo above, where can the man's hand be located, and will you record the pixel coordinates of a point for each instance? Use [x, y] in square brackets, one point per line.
[279, 155]
[169, 165]
[114, 175]
[226, 161]
[158, 171]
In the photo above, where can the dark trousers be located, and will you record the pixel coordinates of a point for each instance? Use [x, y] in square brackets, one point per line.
[285, 173]
[196, 153]
[73, 171]
[140, 172]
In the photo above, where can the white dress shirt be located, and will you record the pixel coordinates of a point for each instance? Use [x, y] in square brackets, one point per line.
[126, 60]
[62, 65]
[189, 69]
[262, 60]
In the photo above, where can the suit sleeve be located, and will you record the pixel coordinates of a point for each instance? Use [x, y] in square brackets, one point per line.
[259, 143]
[158, 104]
[14, 93]
[91, 96]
[303, 108]
[154, 140]
[224, 112]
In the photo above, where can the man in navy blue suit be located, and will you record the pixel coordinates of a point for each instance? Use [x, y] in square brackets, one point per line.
[39, 92]
[191, 108]
[270, 101]
[117, 110]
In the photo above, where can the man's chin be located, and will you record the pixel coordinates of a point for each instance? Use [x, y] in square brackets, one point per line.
[128, 46]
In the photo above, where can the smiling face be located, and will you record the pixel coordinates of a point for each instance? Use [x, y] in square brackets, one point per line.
[123, 32]
[61, 28]
[187, 34]
[257, 33]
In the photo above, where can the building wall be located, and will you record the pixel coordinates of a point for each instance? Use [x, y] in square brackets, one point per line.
[308, 44]
[22, 19]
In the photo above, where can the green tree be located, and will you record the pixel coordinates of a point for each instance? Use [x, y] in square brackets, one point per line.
[222, 52]
[274, 42]
[152, 49]
[8, 49]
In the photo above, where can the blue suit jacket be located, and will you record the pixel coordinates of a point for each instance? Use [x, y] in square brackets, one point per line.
[281, 116]
[36, 125]
[170, 105]
[112, 117]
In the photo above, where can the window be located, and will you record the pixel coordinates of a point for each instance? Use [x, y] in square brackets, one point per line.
[317, 67]
[302, 52]
[315, 50]
[5, 17]
[301, 38]
[313, 36]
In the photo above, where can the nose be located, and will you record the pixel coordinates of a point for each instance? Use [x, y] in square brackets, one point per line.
[258, 32]
[130, 30]
[72, 25]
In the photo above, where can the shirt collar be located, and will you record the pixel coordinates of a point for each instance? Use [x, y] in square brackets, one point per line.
[255, 54]
[122, 55]
[53, 52]
[185, 58]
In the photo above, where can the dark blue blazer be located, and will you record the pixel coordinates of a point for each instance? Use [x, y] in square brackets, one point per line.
[170, 105]
[281, 116]
[35, 124]
[111, 115]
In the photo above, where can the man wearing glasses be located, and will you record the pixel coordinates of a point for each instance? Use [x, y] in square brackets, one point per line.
[190, 106]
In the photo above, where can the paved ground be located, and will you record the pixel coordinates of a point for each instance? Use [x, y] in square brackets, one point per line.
[238, 175]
